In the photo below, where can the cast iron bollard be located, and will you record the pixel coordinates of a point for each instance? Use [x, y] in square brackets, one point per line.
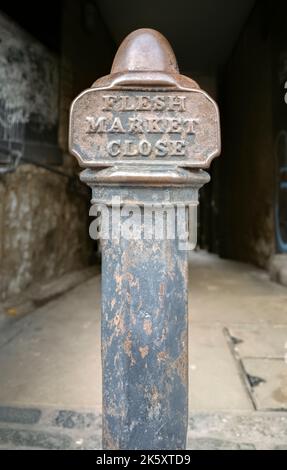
[144, 133]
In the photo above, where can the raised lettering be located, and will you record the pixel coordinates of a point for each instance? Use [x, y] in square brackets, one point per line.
[159, 103]
[161, 149]
[145, 148]
[144, 103]
[190, 125]
[126, 104]
[109, 102]
[136, 126]
[130, 149]
[177, 103]
[97, 125]
[178, 148]
[175, 126]
[117, 127]
[114, 149]
[154, 126]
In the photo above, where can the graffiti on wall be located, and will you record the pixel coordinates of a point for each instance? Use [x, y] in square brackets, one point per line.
[11, 139]
[29, 83]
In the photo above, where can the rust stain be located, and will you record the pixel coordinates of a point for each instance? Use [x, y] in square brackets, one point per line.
[108, 440]
[183, 267]
[133, 317]
[144, 352]
[148, 327]
[162, 356]
[113, 303]
[162, 290]
[119, 322]
[119, 281]
[154, 395]
[180, 365]
[128, 348]
[170, 264]
[128, 345]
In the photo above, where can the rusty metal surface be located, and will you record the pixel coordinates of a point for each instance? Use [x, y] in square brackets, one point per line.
[143, 134]
[147, 51]
[156, 127]
[144, 326]
[139, 116]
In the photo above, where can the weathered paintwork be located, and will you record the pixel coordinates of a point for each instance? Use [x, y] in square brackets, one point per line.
[143, 134]
[144, 326]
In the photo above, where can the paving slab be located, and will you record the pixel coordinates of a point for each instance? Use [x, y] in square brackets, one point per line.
[52, 358]
[227, 292]
[215, 383]
[260, 341]
[268, 379]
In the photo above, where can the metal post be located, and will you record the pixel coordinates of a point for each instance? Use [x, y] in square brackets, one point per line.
[144, 133]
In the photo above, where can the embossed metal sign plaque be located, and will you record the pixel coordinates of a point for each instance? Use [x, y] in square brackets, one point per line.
[167, 126]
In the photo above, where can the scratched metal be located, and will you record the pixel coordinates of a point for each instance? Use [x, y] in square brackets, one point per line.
[144, 133]
[144, 322]
[144, 326]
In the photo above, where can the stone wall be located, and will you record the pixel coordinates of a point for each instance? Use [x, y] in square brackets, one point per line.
[29, 76]
[29, 95]
[43, 208]
[43, 228]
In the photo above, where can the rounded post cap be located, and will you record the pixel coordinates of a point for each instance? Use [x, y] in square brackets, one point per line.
[145, 50]
[145, 58]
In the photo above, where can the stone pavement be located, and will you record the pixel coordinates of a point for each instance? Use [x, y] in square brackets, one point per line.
[50, 382]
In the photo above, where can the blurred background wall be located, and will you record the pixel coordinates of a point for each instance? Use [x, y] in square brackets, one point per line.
[49, 53]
